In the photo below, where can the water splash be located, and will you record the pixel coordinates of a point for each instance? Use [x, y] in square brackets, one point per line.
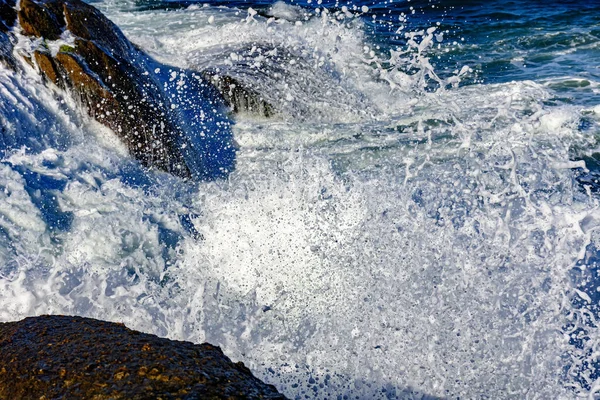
[437, 247]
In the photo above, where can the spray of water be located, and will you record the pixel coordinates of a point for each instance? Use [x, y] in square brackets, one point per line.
[414, 238]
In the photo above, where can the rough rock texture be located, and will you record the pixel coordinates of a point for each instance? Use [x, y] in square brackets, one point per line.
[168, 118]
[51, 357]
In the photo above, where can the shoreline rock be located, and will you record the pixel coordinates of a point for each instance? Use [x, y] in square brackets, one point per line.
[169, 118]
[75, 357]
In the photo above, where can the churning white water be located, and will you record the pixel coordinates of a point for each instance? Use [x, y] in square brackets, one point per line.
[376, 240]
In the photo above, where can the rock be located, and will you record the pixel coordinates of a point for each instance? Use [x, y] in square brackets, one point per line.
[238, 97]
[169, 118]
[72, 357]
[41, 20]
[8, 15]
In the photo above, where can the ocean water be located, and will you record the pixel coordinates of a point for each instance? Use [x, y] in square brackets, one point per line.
[420, 219]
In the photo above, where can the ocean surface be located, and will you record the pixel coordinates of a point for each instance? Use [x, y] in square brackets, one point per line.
[421, 219]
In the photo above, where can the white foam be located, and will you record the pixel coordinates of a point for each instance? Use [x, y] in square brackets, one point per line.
[430, 249]
[286, 11]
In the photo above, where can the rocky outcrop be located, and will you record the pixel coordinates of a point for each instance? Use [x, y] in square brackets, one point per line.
[72, 357]
[169, 118]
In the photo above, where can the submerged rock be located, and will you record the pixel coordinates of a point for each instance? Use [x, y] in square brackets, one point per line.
[74, 357]
[169, 118]
[238, 97]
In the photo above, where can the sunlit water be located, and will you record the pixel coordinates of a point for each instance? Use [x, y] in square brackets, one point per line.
[420, 218]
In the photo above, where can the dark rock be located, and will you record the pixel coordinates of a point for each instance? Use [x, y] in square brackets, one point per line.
[52, 357]
[169, 119]
[6, 48]
[8, 15]
[239, 98]
[272, 80]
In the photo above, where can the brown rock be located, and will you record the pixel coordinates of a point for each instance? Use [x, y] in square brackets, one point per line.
[74, 357]
[89, 24]
[40, 21]
[46, 64]
[115, 82]
[108, 85]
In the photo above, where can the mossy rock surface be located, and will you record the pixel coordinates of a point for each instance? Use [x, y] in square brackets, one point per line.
[66, 357]
[65, 48]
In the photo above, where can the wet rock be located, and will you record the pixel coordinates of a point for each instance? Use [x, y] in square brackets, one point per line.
[41, 20]
[239, 98]
[72, 357]
[168, 118]
[8, 16]
[268, 79]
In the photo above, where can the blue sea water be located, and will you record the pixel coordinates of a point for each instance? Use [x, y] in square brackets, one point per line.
[420, 219]
[505, 40]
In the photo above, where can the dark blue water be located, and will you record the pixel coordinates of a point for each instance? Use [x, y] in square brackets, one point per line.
[501, 40]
